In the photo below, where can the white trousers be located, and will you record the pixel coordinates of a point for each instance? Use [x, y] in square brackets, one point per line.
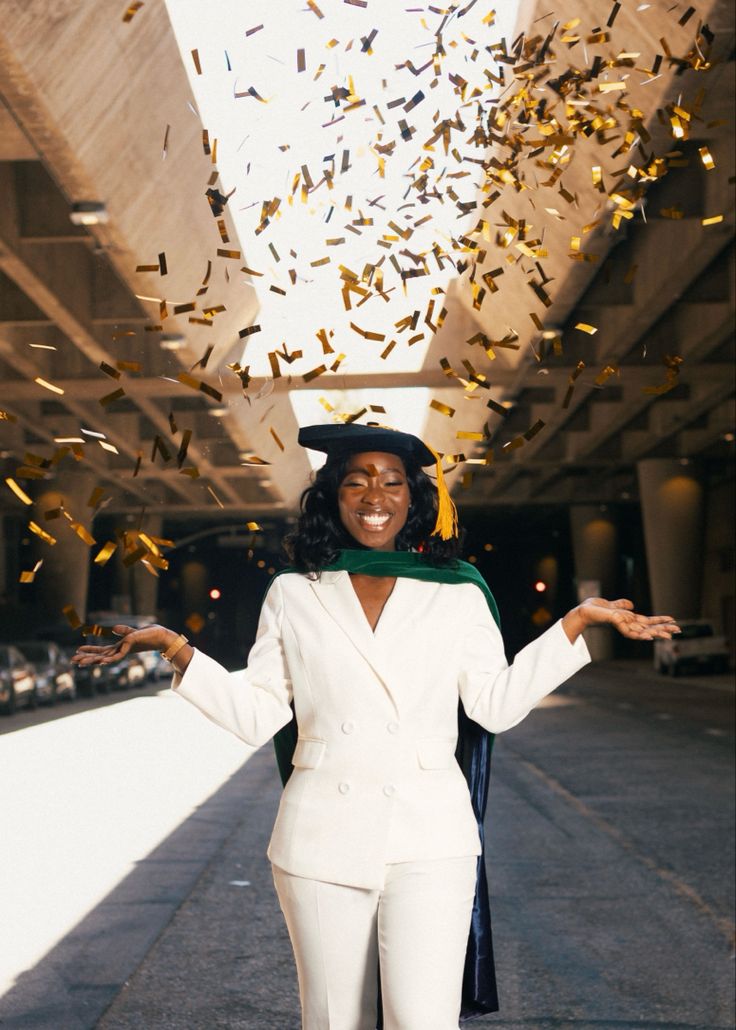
[416, 927]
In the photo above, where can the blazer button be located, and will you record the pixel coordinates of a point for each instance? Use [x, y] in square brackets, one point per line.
[344, 788]
[389, 790]
[348, 726]
[393, 727]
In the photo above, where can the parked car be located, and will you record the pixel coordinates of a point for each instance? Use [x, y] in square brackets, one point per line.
[90, 679]
[127, 672]
[54, 671]
[17, 680]
[697, 648]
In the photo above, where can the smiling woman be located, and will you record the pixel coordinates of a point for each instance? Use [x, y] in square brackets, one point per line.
[372, 492]
[379, 668]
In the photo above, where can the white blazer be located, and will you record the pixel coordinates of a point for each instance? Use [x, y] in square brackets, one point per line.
[375, 779]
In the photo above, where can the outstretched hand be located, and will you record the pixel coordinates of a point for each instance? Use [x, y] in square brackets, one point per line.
[130, 641]
[597, 611]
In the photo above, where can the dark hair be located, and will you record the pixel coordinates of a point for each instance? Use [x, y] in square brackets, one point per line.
[319, 534]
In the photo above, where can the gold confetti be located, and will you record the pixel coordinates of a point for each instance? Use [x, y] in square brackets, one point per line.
[5, 416]
[84, 535]
[48, 386]
[131, 10]
[198, 384]
[253, 459]
[275, 435]
[106, 552]
[18, 491]
[110, 397]
[444, 409]
[707, 158]
[584, 327]
[28, 575]
[46, 537]
[253, 527]
[606, 372]
[713, 220]
[197, 65]
[72, 617]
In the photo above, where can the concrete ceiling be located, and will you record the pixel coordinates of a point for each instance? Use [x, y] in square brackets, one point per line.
[83, 116]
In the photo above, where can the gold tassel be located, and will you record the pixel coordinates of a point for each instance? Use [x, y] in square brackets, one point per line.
[446, 524]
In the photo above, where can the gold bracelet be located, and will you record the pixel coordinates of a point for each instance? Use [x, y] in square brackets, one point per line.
[171, 652]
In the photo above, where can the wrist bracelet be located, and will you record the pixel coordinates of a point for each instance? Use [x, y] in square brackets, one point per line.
[171, 652]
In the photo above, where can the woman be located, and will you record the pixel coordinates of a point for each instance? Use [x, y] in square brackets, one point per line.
[374, 636]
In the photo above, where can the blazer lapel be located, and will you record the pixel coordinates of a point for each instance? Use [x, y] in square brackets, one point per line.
[335, 593]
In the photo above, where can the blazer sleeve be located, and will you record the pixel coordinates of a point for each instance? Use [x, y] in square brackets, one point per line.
[498, 695]
[253, 703]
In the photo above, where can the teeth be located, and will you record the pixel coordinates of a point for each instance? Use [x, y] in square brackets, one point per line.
[374, 520]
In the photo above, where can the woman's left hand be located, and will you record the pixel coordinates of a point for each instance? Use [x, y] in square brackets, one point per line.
[597, 611]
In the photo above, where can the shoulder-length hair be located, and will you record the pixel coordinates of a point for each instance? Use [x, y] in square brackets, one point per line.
[319, 534]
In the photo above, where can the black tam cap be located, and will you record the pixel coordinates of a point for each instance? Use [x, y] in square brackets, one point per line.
[352, 438]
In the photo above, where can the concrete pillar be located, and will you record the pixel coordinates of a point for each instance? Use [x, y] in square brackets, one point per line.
[4, 571]
[595, 547]
[64, 577]
[136, 589]
[673, 516]
[194, 580]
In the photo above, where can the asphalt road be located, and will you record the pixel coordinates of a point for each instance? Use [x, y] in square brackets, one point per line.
[611, 866]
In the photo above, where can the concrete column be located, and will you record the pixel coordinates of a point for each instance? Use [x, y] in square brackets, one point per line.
[595, 547]
[673, 515]
[64, 576]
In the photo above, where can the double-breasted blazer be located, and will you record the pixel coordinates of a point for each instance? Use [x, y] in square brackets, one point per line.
[375, 778]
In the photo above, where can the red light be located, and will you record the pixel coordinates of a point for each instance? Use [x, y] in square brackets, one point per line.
[540, 586]
[215, 594]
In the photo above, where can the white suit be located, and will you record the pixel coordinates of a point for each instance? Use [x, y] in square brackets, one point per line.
[375, 780]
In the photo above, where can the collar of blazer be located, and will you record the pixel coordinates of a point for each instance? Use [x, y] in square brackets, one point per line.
[336, 594]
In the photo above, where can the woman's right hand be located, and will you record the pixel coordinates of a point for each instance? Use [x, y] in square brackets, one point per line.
[130, 641]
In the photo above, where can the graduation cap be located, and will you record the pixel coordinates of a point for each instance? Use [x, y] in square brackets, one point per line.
[342, 439]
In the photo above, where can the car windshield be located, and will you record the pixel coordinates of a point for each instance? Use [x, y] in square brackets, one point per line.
[692, 631]
[34, 652]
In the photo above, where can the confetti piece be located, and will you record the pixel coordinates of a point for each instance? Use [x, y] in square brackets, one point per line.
[251, 329]
[584, 327]
[18, 491]
[606, 372]
[197, 65]
[197, 384]
[214, 495]
[110, 397]
[713, 220]
[95, 497]
[84, 535]
[706, 158]
[46, 537]
[106, 552]
[253, 459]
[443, 409]
[28, 575]
[48, 386]
[72, 617]
[130, 11]
[301, 63]
[275, 435]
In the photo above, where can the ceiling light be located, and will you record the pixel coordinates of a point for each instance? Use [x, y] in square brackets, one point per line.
[729, 437]
[88, 212]
[172, 341]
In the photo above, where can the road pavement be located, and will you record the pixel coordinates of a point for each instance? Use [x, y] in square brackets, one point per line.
[610, 834]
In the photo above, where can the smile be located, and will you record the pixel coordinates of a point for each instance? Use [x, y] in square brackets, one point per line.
[373, 521]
